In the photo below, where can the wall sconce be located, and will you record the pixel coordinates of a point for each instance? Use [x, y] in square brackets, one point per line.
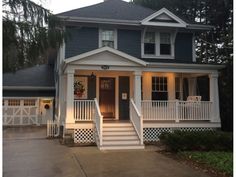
[93, 76]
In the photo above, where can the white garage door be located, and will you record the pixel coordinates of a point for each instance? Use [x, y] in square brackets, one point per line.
[20, 111]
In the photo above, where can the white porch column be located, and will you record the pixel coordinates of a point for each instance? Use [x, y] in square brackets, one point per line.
[70, 97]
[137, 89]
[192, 86]
[214, 97]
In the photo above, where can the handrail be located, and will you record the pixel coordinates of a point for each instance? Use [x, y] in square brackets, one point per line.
[98, 120]
[137, 120]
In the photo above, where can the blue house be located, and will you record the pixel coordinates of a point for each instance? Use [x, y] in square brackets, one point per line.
[128, 73]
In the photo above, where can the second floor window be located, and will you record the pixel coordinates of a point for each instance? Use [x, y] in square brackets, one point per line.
[149, 43]
[108, 38]
[165, 45]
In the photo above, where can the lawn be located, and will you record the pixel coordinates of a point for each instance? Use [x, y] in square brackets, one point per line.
[220, 161]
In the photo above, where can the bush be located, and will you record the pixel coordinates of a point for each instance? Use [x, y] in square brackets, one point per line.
[198, 140]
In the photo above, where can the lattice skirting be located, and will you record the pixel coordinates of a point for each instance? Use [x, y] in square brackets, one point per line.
[152, 134]
[86, 135]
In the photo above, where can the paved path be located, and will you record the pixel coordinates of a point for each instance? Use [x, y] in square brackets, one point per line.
[26, 153]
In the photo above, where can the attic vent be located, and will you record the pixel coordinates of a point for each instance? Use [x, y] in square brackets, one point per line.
[163, 18]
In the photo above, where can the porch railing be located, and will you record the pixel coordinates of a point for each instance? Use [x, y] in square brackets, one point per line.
[176, 110]
[84, 110]
[137, 120]
[98, 121]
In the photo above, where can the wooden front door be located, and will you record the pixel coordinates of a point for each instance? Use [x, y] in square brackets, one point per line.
[107, 97]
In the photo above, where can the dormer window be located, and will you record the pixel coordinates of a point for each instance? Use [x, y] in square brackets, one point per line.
[165, 44]
[150, 43]
[158, 45]
[108, 37]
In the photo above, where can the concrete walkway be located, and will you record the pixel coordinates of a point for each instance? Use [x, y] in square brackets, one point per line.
[31, 155]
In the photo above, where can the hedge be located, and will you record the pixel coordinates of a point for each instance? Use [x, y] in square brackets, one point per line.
[197, 140]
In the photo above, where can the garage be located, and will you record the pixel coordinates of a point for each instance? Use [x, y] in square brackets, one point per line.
[28, 96]
[27, 111]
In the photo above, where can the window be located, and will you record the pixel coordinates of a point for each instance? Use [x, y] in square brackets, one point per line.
[29, 102]
[149, 43]
[158, 45]
[108, 38]
[13, 102]
[165, 45]
[159, 88]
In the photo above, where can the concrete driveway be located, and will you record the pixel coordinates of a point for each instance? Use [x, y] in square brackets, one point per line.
[27, 153]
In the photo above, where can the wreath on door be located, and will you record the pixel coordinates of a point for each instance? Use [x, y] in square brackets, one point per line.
[78, 88]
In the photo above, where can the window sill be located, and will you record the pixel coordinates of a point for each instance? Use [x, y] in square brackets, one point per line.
[159, 57]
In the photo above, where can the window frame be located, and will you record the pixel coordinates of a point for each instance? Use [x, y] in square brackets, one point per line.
[100, 36]
[159, 90]
[157, 44]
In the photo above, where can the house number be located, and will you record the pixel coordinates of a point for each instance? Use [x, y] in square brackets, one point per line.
[105, 67]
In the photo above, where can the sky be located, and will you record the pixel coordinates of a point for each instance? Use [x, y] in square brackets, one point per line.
[57, 6]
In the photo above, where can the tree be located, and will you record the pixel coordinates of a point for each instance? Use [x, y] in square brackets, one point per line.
[29, 31]
[215, 46]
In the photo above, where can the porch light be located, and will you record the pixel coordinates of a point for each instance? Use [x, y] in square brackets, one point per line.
[92, 75]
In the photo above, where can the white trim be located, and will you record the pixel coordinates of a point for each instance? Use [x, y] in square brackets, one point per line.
[185, 66]
[147, 21]
[193, 48]
[152, 124]
[27, 88]
[103, 49]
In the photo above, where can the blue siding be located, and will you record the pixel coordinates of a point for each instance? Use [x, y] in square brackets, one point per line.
[129, 41]
[81, 40]
[183, 47]
[28, 93]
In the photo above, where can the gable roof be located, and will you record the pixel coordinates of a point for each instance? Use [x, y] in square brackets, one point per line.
[121, 12]
[37, 76]
[165, 14]
[111, 9]
[106, 49]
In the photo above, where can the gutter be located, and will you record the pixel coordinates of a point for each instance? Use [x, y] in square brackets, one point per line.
[186, 66]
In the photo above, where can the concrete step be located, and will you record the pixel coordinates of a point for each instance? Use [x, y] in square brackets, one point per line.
[121, 142]
[115, 137]
[118, 147]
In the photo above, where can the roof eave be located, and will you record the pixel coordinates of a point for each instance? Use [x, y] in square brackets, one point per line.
[100, 20]
[187, 66]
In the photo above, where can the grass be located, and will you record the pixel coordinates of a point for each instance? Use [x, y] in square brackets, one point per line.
[219, 161]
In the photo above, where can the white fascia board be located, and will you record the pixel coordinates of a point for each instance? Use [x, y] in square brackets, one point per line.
[186, 66]
[103, 49]
[100, 20]
[199, 27]
[146, 21]
[27, 88]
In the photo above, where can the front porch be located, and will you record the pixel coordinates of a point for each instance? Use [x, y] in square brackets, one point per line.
[109, 85]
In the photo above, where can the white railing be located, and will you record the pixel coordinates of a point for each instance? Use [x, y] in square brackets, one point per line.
[98, 121]
[189, 110]
[176, 110]
[53, 128]
[83, 110]
[137, 120]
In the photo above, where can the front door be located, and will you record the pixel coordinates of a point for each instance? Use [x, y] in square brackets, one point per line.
[107, 97]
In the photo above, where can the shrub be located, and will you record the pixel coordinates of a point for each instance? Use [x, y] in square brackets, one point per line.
[198, 140]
